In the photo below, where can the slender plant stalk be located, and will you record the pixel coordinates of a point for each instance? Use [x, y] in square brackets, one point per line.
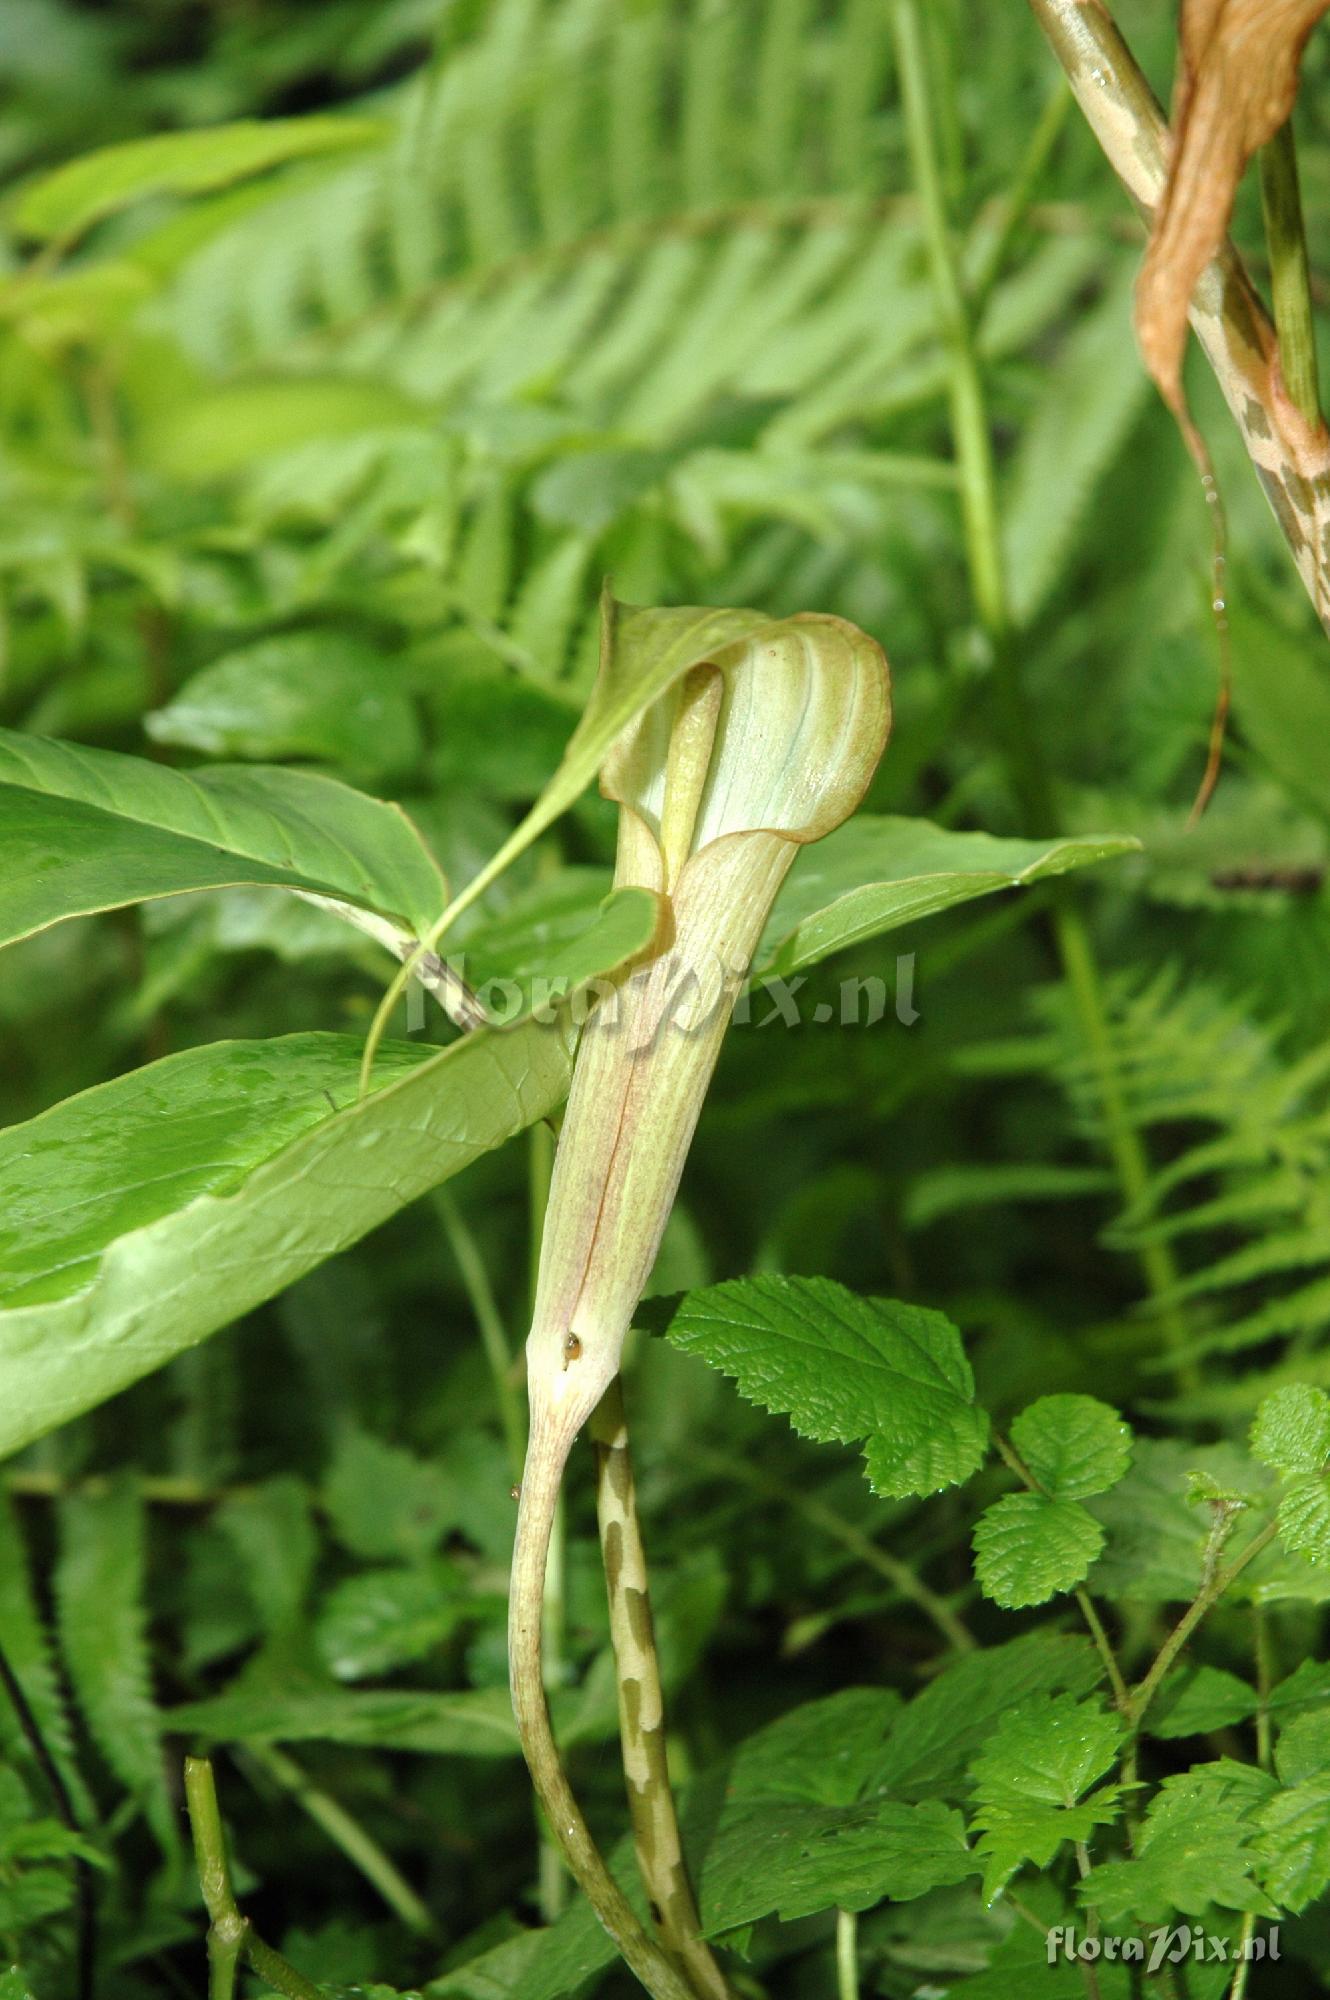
[346, 1832]
[656, 1837]
[1290, 272]
[231, 1937]
[983, 543]
[819, 1515]
[493, 1336]
[658, 1971]
[1209, 1595]
[847, 1955]
[85, 1898]
[1265, 1673]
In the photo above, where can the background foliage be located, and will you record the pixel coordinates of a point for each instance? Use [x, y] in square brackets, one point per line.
[318, 457]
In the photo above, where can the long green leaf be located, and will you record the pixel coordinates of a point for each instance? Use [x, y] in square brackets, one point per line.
[86, 830]
[84, 190]
[874, 874]
[181, 1235]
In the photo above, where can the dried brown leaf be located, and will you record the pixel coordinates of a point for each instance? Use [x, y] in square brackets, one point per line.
[1237, 78]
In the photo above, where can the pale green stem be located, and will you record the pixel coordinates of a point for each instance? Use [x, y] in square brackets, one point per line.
[984, 555]
[346, 1833]
[1290, 275]
[489, 1320]
[1245, 1935]
[552, 1878]
[231, 1936]
[1264, 1679]
[847, 1955]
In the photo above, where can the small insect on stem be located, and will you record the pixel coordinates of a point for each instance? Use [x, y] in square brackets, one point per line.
[572, 1348]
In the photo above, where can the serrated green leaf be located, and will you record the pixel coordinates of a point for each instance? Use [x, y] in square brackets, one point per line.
[1074, 1446]
[792, 1860]
[1303, 1750]
[70, 199]
[99, 1593]
[874, 874]
[1031, 1777]
[271, 1529]
[935, 1736]
[27, 1649]
[89, 830]
[825, 1752]
[1196, 1848]
[1304, 1518]
[385, 1618]
[843, 1368]
[1291, 1431]
[1027, 1548]
[1294, 1842]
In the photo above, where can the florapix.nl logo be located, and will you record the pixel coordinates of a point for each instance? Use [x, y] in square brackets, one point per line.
[1167, 1944]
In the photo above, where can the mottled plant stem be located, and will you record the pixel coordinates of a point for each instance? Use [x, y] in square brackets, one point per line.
[656, 1838]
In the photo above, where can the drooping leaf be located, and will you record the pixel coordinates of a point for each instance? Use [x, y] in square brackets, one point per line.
[158, 1274]
[88, 830]
[845, 1368]
[1237, 77]
[875, 874]
[72, 197]
[1028, 1548]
